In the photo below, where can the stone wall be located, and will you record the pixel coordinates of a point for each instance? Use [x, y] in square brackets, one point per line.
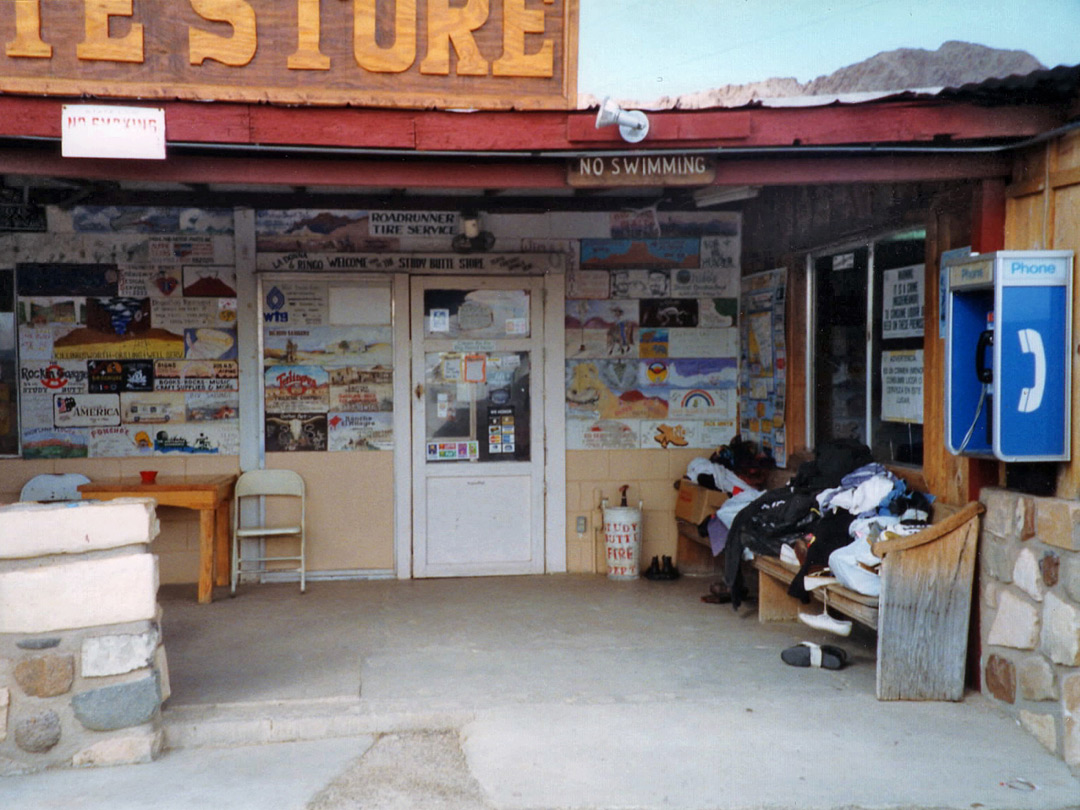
[82, 667]
[1029, 575]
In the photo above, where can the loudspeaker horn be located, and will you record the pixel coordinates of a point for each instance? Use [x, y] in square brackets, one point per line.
[633, 124]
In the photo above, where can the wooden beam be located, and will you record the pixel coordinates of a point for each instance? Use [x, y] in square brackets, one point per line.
[877, 123]
[371, 172]
[282, 170]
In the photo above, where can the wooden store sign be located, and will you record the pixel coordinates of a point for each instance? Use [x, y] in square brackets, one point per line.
[486, 54]
[637, 170]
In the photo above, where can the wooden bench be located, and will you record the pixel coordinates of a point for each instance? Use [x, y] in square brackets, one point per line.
[922, 615]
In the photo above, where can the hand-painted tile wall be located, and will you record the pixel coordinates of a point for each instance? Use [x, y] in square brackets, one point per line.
[652, 342]
[764, 362]
[327, 366]
[137, 355]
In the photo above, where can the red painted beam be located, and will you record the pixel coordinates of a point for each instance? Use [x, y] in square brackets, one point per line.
[988, 216]
[511, 131]
[502, 173]
[886, 122]
[899, 123]
[729, 125]
[279, 170]
[321, 126]
[798, 170]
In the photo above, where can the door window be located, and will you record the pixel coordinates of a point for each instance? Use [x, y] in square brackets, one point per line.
[477, 406]
[488, 314]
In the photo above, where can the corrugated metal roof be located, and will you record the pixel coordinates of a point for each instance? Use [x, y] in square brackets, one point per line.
[1052, 85]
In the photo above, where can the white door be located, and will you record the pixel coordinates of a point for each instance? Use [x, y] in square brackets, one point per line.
[478, 441]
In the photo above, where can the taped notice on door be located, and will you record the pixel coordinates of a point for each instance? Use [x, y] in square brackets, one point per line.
[902, 386]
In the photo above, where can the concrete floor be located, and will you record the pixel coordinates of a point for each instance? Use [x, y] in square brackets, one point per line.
[576, 691]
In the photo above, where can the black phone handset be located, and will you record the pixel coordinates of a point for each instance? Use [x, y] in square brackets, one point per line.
[984, 370]
[984, 367]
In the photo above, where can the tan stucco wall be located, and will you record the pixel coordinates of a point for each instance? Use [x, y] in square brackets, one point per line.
[595, 474]
[350, 503]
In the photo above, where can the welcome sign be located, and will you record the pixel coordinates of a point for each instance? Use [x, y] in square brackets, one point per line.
[485, 54]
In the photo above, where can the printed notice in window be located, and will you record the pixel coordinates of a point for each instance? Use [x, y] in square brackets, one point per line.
[902, 386]
[902, 302]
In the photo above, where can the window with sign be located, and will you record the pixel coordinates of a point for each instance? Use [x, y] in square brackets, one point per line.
[867, 345]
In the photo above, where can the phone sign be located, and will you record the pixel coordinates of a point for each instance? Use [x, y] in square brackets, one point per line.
[1036, 270]
[1032, 336]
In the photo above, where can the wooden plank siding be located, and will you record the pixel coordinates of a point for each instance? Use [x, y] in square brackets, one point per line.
[1043, 213]
[948, 227]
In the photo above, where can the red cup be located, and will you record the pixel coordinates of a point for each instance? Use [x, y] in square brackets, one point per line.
[148, 476]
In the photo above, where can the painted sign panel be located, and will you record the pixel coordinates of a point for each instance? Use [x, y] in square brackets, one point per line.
[202, 439]
[196, 375]
[86, 410]
[114, 376]
[610, 389]
[120, 441]
[690, 372]
[118, 329]
[152, 407]
[296, 432]
[666, 312]
[149, 281]
[50, 443]
[361, 431]
[300, 389]
[706, 282]
[328, 345]
[602, 434]
[617, 254]
[640, 283]
[311, 262]
[297, 53]
[601, 328]
[211, 406]
[53, 377]
[700, 402]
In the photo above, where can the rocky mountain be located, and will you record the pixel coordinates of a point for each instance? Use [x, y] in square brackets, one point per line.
[951, 65]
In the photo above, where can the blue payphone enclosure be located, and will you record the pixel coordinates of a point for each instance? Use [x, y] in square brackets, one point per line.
[1024, 410]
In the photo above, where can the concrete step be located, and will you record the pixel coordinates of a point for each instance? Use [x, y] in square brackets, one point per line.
[221, 725]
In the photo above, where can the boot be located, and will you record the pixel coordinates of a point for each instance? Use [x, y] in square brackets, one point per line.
[668, 569]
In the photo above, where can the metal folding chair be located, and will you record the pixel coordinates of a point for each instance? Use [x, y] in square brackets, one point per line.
[53, 487]
[258, 483]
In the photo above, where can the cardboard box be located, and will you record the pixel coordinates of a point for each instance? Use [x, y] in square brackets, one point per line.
[695, 503]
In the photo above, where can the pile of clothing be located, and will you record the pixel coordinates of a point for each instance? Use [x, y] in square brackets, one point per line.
[739, 469]
[827, 515]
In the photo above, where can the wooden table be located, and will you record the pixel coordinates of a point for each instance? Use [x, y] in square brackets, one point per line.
[210, 495]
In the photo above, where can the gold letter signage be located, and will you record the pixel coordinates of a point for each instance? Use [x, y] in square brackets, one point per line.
[389, 53]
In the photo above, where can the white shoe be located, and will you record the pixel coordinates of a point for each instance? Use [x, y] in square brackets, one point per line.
[787, 555]
[810, 581]
[823, 621]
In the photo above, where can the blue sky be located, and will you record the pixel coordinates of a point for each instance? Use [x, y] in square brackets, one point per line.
[649, 48]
